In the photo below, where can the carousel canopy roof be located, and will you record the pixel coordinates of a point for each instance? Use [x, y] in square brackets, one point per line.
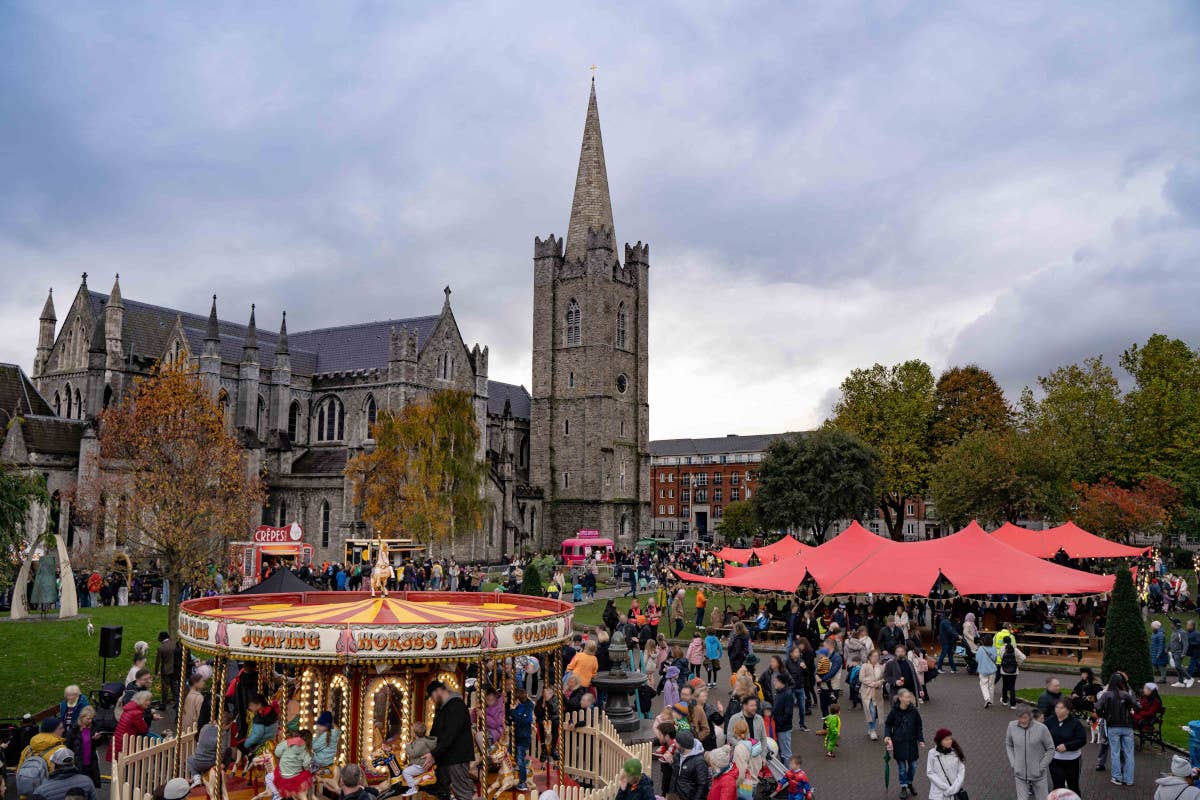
[1070, 538]
[281, 580]
[353, 626]
[859, 562]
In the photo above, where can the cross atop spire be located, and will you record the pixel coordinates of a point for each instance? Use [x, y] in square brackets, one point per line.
[591, 207]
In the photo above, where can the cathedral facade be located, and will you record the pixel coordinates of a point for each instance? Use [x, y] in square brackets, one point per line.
[572, 456]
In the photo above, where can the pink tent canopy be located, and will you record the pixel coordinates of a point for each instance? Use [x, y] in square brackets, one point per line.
[784, 548]
[859, 562]
[1070, 538]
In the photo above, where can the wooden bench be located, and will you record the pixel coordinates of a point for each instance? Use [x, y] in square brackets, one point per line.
[1152, 733]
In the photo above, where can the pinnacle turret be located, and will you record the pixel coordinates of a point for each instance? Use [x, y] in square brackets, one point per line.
[251, 341]
[213, 332]
[114, 297]
[48, 309]
[281, 348]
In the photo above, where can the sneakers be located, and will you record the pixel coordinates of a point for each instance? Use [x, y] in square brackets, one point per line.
[829, 754]
[804, 729]
[987, 703]
[941, 672]
[912, 792]
[521, 787]
[1188, 683]
[1178, 685]
[903, 792]
[874, 736]
[1115, 782]
[410, 792]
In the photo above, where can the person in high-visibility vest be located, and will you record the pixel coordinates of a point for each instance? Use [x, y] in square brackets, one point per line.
[1005, 635]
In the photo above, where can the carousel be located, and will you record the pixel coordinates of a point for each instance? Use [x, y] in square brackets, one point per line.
[368, 660]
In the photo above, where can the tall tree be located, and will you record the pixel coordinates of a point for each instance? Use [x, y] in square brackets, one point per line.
[967, 399]
[997, 476]
[891, 409]
[1079, 415]
[738, 522]
[1115, 512]
[187, 489]
[812, 480]
[423, 478]
[20, 492]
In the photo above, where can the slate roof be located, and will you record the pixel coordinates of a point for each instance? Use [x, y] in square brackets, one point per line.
[18, 394]
[498, 392]
[362, 346]
[754, 443]
[339, 349]
[321, 461]
[52, 435]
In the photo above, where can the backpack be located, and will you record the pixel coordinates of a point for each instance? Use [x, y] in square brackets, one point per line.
[1008, 662]
[31, 773]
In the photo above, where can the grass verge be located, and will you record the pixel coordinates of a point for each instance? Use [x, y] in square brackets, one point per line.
[1180, 710]
[38, 659]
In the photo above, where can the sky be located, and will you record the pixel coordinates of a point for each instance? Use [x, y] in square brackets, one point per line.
[823, 186]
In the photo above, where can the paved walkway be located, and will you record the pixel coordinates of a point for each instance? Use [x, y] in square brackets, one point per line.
[957, 704]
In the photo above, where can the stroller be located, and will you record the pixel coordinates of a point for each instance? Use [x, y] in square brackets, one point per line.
[107, 700]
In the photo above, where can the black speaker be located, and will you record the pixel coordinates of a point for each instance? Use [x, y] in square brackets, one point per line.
[110, 641]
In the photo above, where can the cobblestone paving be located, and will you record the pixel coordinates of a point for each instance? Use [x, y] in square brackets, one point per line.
[957, 704]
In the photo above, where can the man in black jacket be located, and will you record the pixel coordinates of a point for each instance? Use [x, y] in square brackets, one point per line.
[454, 750]
[899, 674]
[692, 779]
[891, 636]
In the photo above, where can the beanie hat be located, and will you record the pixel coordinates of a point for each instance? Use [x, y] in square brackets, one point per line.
[49, 725]
[942, 733]
[751, 660]
[325, 720]
[633, 767]
[719, 758]
[680, 708]
[686, 741]
[696, 683]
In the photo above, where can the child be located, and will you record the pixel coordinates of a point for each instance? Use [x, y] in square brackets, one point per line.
[493, 716]
[414, 753]
[713, 650]
[681, 712]
[664, 734]
[833, 727]
[768, 717]
[263, 727]
[521, 716]
[795, 780]
[781, 711]
[670, 686]
[695, 654]
[292, 776]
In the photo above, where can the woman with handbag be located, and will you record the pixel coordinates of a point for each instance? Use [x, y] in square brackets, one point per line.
[946, 768]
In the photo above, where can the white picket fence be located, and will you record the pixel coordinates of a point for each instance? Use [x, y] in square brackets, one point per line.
[146, 763]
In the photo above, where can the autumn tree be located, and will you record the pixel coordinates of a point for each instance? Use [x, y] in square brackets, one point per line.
[1079, 415]
[997, 476]
[423, 478]
[967, 399]
[811, 481]
[738, 522]
[1116, 512]
[188, 491]
[891, 409]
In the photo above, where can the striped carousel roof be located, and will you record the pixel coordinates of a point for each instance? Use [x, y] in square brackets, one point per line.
[399, 609]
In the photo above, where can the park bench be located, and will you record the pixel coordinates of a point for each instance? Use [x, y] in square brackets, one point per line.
[1152, 733]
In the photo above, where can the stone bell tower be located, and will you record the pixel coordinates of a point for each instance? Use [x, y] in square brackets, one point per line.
[589, 438]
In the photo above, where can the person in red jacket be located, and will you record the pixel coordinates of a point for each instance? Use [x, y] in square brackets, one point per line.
[725, 775]
[132, 722]
[1149, 705]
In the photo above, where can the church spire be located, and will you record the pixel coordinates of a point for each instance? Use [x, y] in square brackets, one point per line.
[281, 347]
[591, 207]
[48, 309]
[114, 297]
[213, 332]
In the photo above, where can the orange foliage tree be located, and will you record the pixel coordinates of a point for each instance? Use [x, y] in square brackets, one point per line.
[1115, 512]
[187, 489]
[423, 479]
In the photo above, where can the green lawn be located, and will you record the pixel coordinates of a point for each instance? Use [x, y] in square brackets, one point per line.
[1181, 709]
[38, 659]
[589, 614]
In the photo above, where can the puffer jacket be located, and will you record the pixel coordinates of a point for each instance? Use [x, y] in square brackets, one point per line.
[857, 650]
[131, 723]
[724, 784]
[692, 779]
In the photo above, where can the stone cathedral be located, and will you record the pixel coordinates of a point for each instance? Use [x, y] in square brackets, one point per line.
[570, 455]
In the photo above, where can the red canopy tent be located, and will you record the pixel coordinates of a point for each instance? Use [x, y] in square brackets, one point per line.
[784, 548]
[859, 562]
[1070, 538]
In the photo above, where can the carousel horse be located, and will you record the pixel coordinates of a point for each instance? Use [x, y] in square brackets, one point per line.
[507, 777]
[382, 572]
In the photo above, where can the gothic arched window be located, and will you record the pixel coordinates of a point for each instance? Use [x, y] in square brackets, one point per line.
[282, 511]
[294, 420]
[70, 403]
[57, 405]
[331, 420]
[370, 411]
[223, 405]
[621, 326]
[260, 419]
[325, 523]
[78, 405]
[108, 396]
[574, 320]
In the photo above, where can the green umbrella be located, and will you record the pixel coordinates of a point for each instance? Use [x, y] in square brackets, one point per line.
[887, 769]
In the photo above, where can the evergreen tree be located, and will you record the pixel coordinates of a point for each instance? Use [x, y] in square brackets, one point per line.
[1126, 647]
[531, 584]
